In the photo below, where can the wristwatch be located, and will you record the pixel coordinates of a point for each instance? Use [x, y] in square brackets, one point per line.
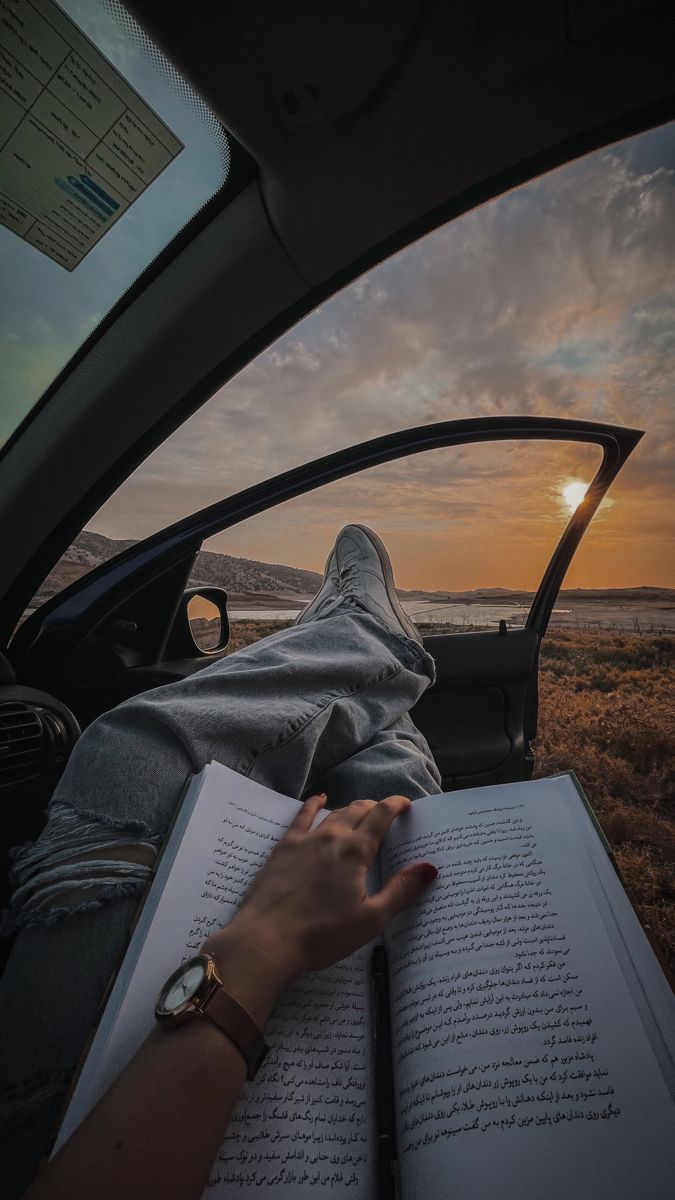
[196, 990]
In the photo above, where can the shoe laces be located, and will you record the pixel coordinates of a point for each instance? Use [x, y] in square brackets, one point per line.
[348, 579]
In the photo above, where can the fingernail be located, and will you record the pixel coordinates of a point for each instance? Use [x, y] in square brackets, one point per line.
[425, 872]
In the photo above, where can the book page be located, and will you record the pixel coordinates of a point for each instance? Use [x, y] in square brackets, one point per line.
[305, 1125]
[519, 1053]
[651, 991]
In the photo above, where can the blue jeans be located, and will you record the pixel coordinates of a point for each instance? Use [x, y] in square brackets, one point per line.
[322, 706]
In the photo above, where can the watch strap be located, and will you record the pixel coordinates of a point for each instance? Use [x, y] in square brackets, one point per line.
[238, 1024]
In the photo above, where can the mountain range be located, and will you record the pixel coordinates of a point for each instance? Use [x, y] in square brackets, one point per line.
[248, 580]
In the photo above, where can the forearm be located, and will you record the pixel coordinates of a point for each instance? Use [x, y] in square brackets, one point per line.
[157, 1131]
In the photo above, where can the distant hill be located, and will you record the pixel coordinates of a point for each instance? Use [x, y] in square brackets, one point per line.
[249, 575]
[90, 549]
[236, 575]
[635, 595]
[248, 580]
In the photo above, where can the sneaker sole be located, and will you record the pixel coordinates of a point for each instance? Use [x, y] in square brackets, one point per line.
[388, 574]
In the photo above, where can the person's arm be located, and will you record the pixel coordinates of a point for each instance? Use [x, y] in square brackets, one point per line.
[156, 1133]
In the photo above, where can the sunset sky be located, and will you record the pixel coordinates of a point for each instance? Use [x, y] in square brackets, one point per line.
[556, 299]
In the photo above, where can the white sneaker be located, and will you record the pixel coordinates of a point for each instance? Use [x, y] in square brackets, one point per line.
[366, 575]
[328, 595]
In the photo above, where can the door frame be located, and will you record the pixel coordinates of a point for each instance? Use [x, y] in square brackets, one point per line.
[63, 623]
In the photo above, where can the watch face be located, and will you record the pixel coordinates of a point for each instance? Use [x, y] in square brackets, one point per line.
[182, 986]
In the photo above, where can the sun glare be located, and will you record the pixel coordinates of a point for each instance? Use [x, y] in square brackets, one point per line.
[573, 493]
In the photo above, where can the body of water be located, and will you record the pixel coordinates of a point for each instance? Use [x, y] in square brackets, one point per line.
[423, 611]
[629, 618]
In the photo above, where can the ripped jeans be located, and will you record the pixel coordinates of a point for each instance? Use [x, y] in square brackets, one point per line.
[322, 706]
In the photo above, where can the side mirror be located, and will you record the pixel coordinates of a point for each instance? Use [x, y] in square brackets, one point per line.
[206, 623]
[201, 624]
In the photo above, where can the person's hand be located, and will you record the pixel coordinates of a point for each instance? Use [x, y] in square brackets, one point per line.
[307, 907]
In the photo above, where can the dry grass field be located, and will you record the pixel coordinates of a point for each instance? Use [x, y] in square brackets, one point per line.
[242, 633]
[607, 711]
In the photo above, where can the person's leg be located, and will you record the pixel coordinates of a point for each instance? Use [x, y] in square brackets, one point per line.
[397, 762]
[285, 711]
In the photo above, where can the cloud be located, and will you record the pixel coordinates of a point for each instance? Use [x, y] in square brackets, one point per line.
[556, 299]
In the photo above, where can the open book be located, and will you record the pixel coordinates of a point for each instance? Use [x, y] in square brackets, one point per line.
[532, 1029]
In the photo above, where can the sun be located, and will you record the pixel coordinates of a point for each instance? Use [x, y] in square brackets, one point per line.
[573, 493]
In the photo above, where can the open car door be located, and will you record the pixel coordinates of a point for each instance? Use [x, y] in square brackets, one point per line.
[124, 627]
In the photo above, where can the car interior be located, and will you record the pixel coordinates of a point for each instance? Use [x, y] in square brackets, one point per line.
[353, 130]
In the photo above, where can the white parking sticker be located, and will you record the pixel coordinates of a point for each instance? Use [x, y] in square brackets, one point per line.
[77, 144]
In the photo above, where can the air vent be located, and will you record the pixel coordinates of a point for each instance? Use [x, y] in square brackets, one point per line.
[21, 743]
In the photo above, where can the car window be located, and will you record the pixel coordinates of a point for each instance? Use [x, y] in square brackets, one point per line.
[555, 299]
[469, 530]
[105, 154]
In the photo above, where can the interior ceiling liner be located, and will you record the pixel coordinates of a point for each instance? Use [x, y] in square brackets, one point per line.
[337, 53]
[310, 60]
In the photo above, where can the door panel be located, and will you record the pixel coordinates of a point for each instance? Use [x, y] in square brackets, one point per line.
[475, 715]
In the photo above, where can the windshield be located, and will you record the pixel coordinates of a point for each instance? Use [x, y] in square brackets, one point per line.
[105, 154]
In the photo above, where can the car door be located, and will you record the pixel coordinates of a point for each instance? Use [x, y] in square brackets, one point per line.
[124, 627]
